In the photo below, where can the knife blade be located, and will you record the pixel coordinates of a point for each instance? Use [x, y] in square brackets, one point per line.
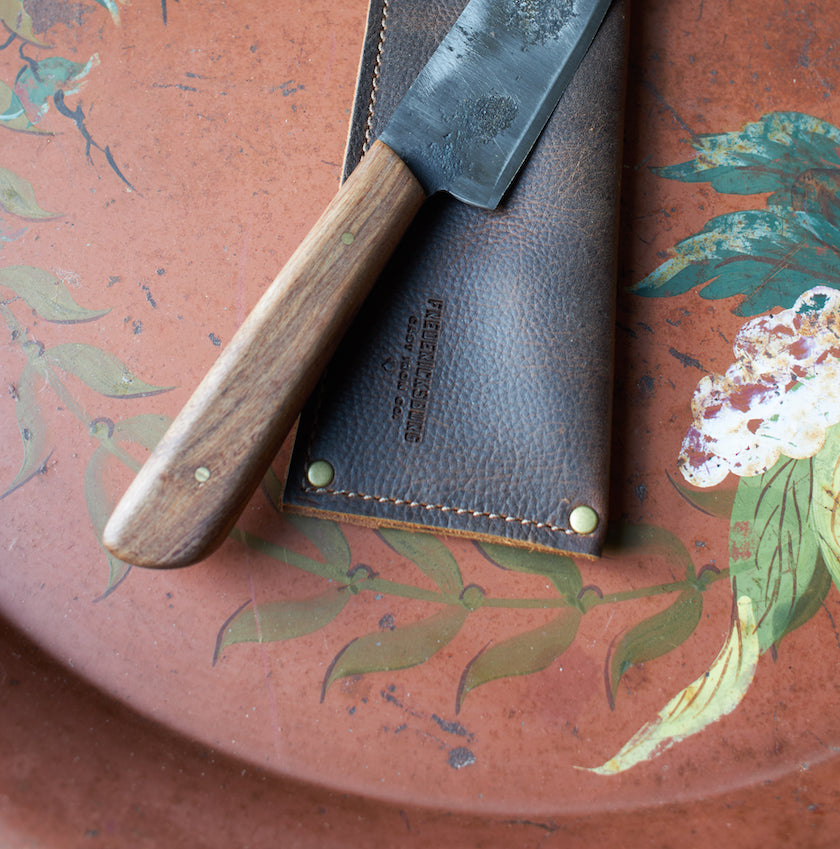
[465, 127]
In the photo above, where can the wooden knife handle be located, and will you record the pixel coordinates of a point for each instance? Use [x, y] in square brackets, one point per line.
[191, 490]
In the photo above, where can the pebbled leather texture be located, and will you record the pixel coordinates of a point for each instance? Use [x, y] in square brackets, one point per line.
[473, 393]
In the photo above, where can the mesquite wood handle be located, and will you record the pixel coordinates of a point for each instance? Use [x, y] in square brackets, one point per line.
[191, 490]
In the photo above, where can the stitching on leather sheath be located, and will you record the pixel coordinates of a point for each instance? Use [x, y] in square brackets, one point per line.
[377, 70]
[443, 508]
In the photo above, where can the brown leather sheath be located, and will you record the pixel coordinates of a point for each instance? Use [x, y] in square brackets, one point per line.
[473, 393]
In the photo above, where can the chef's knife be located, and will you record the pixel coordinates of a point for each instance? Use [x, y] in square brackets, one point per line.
[465, 127]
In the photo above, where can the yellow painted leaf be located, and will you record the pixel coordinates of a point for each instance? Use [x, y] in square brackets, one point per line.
[46, 294]
[101, 371]
[17, 20]
[18, 197]
[710, 697]
[32, 427]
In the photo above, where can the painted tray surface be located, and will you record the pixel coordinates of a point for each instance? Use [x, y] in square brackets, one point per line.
[338, 685]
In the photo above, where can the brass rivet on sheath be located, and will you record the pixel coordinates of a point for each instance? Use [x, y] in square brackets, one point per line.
[583, 519]
[320, 474]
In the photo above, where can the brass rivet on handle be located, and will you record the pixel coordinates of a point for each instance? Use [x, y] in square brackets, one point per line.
[347, 238]
[202, 474]
[583, 519]
[320, 473]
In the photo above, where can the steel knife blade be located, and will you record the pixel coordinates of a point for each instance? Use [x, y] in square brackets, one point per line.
[465, 127]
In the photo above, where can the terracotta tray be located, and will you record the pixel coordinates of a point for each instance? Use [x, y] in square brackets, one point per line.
[332, 686]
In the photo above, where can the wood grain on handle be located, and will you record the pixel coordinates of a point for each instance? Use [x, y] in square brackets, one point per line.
[191, 490]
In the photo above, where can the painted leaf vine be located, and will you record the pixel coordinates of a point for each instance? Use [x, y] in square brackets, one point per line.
[454, 605]
[46, 368]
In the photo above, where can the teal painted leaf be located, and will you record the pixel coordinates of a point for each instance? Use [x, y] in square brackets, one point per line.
[12, 114]
[18, 197]
[815, 201]
[113, 8]
[522, 654]
[9, 233]
[282, 620]
[772, 547]
[767, 155]
[386, 651]
[46, 294]
[327, 536]
[653, 637]
[558, 568]
[38, 82]
[32, 427]
[768, 258]
[430, 555]
[101, 371]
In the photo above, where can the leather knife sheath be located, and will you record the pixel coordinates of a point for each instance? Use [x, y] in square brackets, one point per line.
[473, 392]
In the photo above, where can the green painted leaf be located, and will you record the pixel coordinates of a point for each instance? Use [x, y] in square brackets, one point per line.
[101, 371]
[653, 637]
[523, 654]
[282, 620]
[288, 556]
[272, 488]
[32, 427]
[386, 651]
[764, 156]
[772, 547]
[146, 430]
[651, 540]
[327, 536]
[99, 507]
[558, 568]
[46, 294]
[826, 497]
[18, 197]
[430, 555]
[766, 256]
[715, 501]
[809, 602]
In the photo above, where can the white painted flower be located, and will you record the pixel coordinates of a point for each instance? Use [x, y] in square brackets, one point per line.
[778, 398]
